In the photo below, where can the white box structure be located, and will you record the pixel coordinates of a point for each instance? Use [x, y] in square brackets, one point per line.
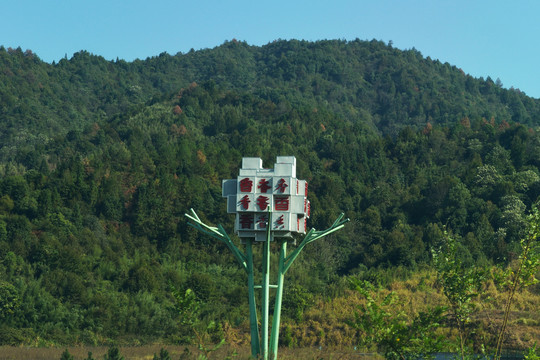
[256, 191]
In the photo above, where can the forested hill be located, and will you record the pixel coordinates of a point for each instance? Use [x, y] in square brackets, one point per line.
[99, 161]
[368, 82]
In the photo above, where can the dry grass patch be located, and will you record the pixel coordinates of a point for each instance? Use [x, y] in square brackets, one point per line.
[326, 323]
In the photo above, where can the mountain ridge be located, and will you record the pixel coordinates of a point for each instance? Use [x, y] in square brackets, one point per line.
[99, 161]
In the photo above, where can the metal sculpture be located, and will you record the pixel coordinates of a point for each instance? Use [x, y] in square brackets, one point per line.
[269, 205]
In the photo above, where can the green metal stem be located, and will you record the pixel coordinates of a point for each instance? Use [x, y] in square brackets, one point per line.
[253, 321]
[274, 338]
[311, 236]
[265, 304]
[240, 257]
[259, 344]
[218, 233]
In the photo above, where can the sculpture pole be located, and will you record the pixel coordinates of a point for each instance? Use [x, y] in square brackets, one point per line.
[260, 345]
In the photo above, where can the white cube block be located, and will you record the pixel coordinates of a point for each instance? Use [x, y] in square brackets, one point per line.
[263, 184]
[284, 170]
[228, 187]
[286, 160]
[283, 185]
[246, 184]
[261, 221]
[301, 187]
[300, 224]
[245, 202]
[297, 204]
[252, 163]
[245, 222]
[247, 172]
[281, 221]
[231, 204]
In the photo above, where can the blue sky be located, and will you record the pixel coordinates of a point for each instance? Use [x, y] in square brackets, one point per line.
[496, 38]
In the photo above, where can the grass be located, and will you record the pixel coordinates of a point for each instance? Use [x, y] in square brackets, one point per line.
[323, 332]
[325, 322]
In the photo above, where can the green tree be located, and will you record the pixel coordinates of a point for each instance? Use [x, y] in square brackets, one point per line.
[9, 299]
[163, 355]
[66, 355]
[113, 354]
[461, 286]
[524, 273]
[398, 336]
[295, 301]
[189, 311]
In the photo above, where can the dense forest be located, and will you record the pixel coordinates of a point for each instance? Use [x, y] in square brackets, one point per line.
[99, 161]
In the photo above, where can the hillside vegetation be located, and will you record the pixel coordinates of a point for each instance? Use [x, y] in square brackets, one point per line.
[99, 160]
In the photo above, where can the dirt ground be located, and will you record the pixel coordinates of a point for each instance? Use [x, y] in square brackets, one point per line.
[176, 352]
